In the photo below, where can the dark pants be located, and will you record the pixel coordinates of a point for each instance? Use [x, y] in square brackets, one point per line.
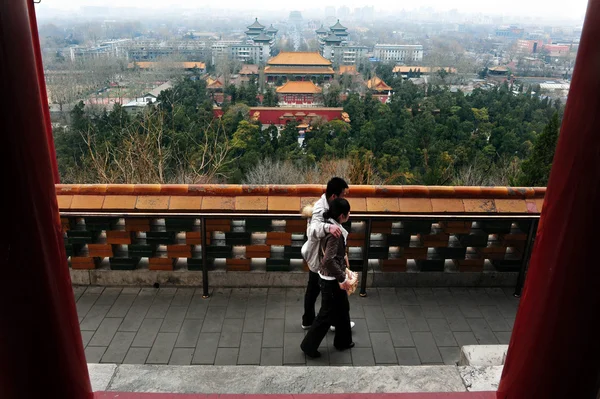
[335, 310]
[310, 298]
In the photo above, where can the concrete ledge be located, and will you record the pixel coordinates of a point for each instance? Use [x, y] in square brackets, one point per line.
[285, 380]
[482, 355]
[101, 375]
[185, 278]
[478, 378]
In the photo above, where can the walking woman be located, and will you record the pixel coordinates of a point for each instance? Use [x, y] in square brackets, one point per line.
[335, 308]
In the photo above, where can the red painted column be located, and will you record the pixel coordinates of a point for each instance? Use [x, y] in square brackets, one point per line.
[555, 346]
[41, 353]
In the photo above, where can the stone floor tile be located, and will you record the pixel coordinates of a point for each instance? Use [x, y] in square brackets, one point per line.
[121, 305]
[275, 307]
[136, 356]
[454, 317]
[383, 348]
[174, 319]
[362, 357]
[426, 348]
[494, 318]
[162, 348]
[450, 354]
[482, 331]
[415, 318]
[159, 306]
[408, 357]
[206, 349]
[189, 333]
[94, 317]
[503, 337]
[441, 332]
[147, 333]
[400, 333]
[231, 333]
[213, 321]
[226, 356]
[118, 348]
[254, 319]
[292, 354]
[183, 297]
[197, 308]
[86, 336]
[105, 332]
[93, 354]
[271, 357]
[375, 318]
[85, 302]
[273, 333]
[236, 308]
[181, 356]
[360, 334]
[109, 296]
[406, 296]
[220, 297]
[293, 318]
[250, 348]
[465, 338]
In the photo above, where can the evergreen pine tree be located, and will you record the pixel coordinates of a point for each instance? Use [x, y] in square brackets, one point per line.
[536, 168]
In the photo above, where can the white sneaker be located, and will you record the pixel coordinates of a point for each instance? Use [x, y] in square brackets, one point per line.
[305, 327]
[352, 324]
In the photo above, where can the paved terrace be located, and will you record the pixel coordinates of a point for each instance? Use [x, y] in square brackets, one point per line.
[261, 326]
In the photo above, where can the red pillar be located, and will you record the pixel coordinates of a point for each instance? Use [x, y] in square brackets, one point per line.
[41, 353]
[555, 347]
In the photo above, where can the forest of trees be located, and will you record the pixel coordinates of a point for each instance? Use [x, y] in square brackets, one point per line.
[425, 135]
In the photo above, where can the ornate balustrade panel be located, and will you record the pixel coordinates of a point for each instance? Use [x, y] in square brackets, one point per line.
[259, 228]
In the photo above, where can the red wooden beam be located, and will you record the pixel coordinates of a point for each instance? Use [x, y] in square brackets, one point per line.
[41, 352]
[555, 349]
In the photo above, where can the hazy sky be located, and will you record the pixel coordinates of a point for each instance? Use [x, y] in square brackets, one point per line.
[531, 8]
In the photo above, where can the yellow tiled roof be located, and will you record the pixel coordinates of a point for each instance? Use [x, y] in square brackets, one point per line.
[306, 87]
[299, 58]
[180, 65]
[299, 70]
[351, 69]
[375, 83]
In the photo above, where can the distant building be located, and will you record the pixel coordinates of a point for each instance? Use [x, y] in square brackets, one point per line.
[334, 46]
[402, 53]
[510, 32]
[110, 48]
[298, 66]
[557, 50]
[303, 93]
[255, 49]
[405, 71]
[498, 71]
[187, 66]
[529, 46]
[149, 50]
[139, 103]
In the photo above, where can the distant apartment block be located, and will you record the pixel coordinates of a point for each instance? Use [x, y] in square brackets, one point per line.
[510, 32]
[401, 53]
[148, 50]
[110, 48]
[529, 46]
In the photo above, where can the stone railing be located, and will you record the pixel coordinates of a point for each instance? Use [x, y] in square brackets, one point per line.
[405, 235]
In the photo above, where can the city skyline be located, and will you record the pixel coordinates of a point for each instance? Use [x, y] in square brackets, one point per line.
[510, 8]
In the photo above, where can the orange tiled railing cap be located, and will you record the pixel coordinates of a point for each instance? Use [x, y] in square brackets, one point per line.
[290, 198]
